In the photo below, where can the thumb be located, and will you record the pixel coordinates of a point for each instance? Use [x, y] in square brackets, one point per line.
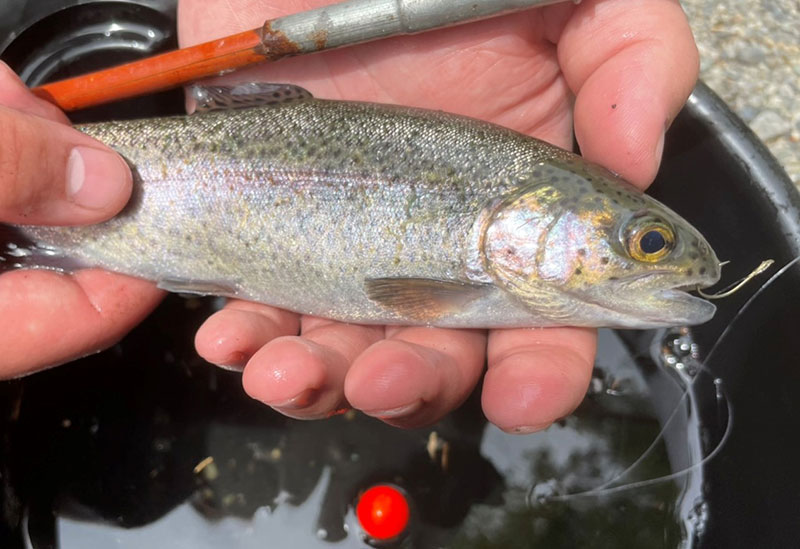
[632, 65]
[51, 174]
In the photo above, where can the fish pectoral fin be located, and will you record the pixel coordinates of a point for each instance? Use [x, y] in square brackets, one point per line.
[423, 299]
[248, 94]
[199, 287]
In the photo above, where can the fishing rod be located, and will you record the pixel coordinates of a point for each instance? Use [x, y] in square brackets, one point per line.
[335, 26]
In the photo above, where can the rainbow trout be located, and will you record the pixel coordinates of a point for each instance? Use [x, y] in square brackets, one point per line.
[370, 213]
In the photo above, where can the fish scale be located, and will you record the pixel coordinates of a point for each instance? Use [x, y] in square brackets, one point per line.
[380, 214]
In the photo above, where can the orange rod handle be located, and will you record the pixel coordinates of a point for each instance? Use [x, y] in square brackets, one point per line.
[164, 71]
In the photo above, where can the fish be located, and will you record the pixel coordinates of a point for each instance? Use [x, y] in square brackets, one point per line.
[382, 214]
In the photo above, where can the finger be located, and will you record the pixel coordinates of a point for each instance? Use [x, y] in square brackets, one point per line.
[51, 174]
[231, 337]
[303, 376]
[632, 65]
[16, 95]
[536, 376]
[101, 308]
[417, 375]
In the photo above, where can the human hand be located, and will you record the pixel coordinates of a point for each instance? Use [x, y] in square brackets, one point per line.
[51, 174]
[622, 69]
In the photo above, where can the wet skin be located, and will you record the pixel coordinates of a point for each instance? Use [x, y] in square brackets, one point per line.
[630, 68]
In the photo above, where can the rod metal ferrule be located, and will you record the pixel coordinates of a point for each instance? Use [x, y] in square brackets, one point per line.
[357, 21]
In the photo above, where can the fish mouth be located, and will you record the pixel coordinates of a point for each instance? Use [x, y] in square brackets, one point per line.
[671, 305]
[656, 282]
[680, 294]
[688, 308]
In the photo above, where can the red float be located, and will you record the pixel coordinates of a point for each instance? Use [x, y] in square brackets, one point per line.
[383, 512]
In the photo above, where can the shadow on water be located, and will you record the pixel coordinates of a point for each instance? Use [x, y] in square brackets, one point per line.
[103, 452]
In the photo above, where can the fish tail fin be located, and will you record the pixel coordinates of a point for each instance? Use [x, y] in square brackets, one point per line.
[18, 251]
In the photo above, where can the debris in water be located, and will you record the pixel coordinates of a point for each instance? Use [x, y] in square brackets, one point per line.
[200, 467]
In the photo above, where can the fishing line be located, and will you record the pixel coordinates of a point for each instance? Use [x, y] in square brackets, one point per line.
[749, 302]
[606, 488]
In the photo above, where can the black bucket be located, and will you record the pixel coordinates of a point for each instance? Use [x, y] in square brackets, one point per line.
[685, 438]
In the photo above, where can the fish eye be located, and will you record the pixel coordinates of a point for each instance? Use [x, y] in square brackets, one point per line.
[650, 242]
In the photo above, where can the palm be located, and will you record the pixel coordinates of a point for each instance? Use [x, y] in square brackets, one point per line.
[506, 71]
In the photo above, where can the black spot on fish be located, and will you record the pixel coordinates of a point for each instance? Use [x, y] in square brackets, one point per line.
[582, 251]
[613, 105]
[615, 201]
[689, 272]
[693, 255]
[604, 260]
[613, 278]
[702, 270]
[578, 271]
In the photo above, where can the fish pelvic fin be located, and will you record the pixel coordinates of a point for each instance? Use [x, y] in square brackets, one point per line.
[18, 251]
[198, 287]
[248, 94]
[423, 299]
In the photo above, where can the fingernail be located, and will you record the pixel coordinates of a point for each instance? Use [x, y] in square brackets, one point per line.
[659, 150]
[301, 400]
[234, 362]
[95, 178]
[528, 429]
[405, 410]
[231, 367]
[338, 411]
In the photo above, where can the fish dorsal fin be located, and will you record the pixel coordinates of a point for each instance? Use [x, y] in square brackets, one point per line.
[423, 299]
[247, 94]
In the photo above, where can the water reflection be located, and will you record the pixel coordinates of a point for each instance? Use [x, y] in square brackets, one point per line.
[598, 478]
[128, 429]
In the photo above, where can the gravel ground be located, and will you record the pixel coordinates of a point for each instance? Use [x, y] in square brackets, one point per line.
[750, 56]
